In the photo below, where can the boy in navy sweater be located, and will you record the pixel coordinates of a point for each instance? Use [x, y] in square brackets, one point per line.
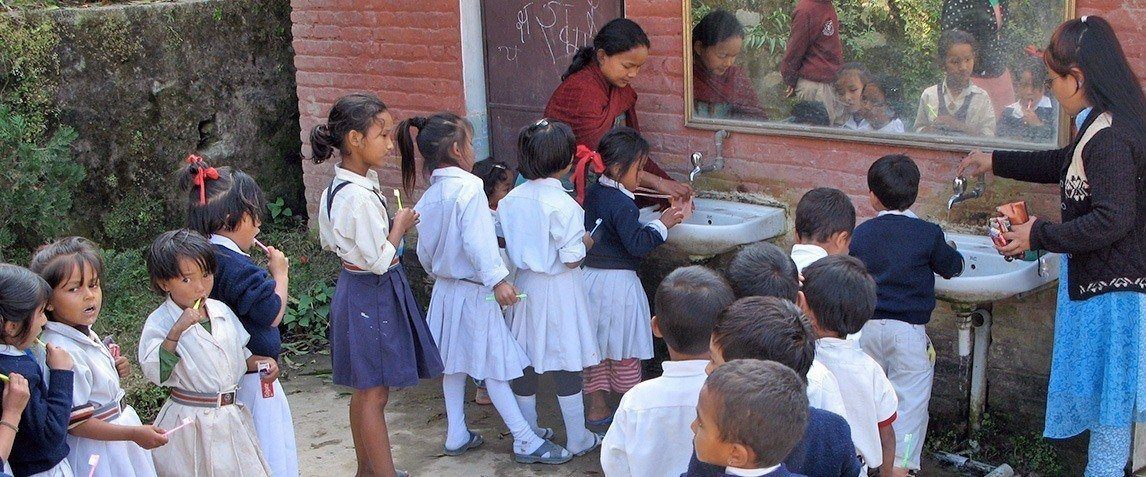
[903, 253]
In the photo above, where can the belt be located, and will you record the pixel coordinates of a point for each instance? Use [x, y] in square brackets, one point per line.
[355, 268]
[108, 412]
[82, 413]
[209, 400]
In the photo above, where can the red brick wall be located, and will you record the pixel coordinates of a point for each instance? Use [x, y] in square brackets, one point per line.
[408, 52]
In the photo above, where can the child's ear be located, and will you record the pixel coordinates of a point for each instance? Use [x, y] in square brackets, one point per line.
[741, 456]
[354, 138]
[657, 327]
[802, 302]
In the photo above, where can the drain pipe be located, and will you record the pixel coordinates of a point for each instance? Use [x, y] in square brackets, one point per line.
[981, 319]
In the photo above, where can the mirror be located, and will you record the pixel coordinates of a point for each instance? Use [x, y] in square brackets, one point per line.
[940, 74]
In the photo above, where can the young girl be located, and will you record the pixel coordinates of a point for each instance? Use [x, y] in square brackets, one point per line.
[623, 320]
[882, 97]
[1034, 116]
[101, 423]
[378, 337]
[956, 106]
[195, 346]
[849, 85]
[226, 205]
[1097, 362]
[41, 433]
[458, 248]
[721, 89]
[546, 240]
[497, 180]
[12, 403]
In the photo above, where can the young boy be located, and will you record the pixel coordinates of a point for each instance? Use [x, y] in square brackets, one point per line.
[763, 269]
[814, 55]
[902, 253]
[749, 416]
[825, 219]
[838, 297]
[661, 410]
[773, 329]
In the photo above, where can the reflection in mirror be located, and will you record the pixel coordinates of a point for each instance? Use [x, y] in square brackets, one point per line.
[906, 71]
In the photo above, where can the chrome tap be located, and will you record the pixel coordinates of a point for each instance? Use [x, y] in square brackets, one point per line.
[959, 186]
[716, 165]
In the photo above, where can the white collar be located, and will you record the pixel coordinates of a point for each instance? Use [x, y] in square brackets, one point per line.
[9, 350]
[71, 333]
[686, 368]
[450, 171]
[906, 213]
[228, 243]
[607, 182]
[840, 343]
[368, 181]
[809, 249]
[751, 472]
[549, 182]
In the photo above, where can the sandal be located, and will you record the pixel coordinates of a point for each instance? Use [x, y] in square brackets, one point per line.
[603, 422]
[597, 438]
[545, 433]
[476, 441]
[549, 453]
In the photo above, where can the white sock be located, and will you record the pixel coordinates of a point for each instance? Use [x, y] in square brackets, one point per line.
[528, 406]
[454, 392]
[578, 438]
[525, 441]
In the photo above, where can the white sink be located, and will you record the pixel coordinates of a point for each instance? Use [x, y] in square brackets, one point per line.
[988, 277]
[717, 226]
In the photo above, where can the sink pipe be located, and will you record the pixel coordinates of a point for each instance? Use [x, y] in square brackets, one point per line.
[716, 165]
[965, 463]
[959, 187]
[978, 319]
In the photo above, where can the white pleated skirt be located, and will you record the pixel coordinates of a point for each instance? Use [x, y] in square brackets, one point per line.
[552, 323]
[116, 458]
[273, 424]
[63, 469]
[471, 332]
[619, 308]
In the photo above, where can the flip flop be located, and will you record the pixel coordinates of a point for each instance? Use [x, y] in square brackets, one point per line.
[603, 422]
[476, 441]
[549, 453]
[597, 438]
[546, 433]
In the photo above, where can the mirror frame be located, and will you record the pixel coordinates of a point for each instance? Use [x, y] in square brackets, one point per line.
[775, 128]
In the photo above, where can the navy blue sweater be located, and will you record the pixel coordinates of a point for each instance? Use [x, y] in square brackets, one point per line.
[826, 450]
[42, 441]
[250, 292]
[622, 241]
[901, 253]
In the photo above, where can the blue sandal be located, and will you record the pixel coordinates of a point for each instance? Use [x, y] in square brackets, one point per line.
[545, 433]
[476, 440]
[549, 453]
[597, 438]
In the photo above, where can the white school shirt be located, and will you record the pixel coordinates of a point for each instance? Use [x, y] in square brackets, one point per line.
[1016, 108]
[980, 113]
[751, 472]
[824, 389]
[871, 398]
[894, 126]
[655, 224]
[805, 255]
[543, 227]
[651, 432]
[456, 235]
[358, 223]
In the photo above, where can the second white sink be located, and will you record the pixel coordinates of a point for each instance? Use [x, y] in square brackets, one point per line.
[988, 277]
[717, 226]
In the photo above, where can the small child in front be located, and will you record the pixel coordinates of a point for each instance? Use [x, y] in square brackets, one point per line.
[903, 254]
[662, 409]
[825, 219]
[750, 415]
[838, 297]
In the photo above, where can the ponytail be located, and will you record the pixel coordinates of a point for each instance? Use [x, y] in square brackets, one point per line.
[353, 112]
[406, 150]
[322, 144]
[436, 136]
[581, 59]
[617, 36]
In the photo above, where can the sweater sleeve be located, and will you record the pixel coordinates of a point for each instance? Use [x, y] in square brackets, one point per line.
[638, 239]
[46, 416]
[1043, 167]
[945, 261]
[252, 294]
[798, 43]
[1106, 160]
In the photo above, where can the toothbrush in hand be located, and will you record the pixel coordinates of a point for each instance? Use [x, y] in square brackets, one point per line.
[264, 247]
[398, 195]
[520, 296]
[186, 422]
[93, 461]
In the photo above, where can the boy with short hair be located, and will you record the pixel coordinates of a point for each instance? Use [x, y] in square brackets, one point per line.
[903, 254]
[838, 297]
[661, 410]
[825, 220]
[814, 54]
[750, 415]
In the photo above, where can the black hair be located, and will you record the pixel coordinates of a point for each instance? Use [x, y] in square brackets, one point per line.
[353, 112]
[169, 247]
[617, 36]
[840, 293]
[1036, 67]
[894, 179]
[762, 405]
[230, 194]
[717, 26]
[56, 261]
[1089, 43]
[766, 328]
[22, 295]
[823, 212]
[546, 147]
[687, 303]
[856, 68]
[491, 172]
[437, 135]
[763, 269]
[812, 113]
[892, 89]
[950, 38]
[622, 147]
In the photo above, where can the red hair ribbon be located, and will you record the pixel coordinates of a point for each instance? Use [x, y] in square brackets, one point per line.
[585, 158]
[202, 174]
[1033, 51]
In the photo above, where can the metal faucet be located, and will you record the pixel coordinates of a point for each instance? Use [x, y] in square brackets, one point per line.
[959, 186]
[716, 165]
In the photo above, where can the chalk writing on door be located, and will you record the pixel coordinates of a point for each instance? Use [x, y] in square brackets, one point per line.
[559, 27]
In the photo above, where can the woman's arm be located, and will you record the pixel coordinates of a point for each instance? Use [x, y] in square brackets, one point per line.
[1042, 167]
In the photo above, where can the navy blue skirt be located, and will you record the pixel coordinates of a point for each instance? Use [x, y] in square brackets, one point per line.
[378, 335]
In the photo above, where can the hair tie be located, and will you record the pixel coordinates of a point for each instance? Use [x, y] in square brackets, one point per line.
[585, 158]
[203, 172]
[1084, 17]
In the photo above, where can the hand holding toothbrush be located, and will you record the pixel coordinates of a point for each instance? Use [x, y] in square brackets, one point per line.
[148, 436]
[506, 294]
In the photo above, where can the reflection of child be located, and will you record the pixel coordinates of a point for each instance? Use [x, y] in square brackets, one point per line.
[881, 95]
[1032, 117]
[720, 88]
[814, 53]
[955, 106]
[849, 86]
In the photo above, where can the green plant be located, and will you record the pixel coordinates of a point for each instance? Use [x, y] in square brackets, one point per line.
[279, 211]
[308, 315]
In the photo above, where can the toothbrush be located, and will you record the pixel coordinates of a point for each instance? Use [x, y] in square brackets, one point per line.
[264, 247]
[186, 421]
[93, 461]
[4, 378]
[197, 303]
[907, 445]
[520, 296]
[398, 195]
[595, 227]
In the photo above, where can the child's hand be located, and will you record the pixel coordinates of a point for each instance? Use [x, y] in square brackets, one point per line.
[790, 91]
[277, 262]
[1030, 118]
[58, 358]
[587, 240]
[148, 437]
[272, 369]
[123, 367]
[405, 219]
[189, 318]
[15, 397]
[505, 294]
[672, 216]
